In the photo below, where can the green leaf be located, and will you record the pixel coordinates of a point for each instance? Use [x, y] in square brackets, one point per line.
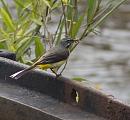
[79, 79]
[23, 7]
[2, 46]
[91, 10]
[27, 43]
[47, 2]
[76, 26]
[70, 10]
[4, 33]
[5, 6]
[21, 50]
[38, 22]
[7, 20]
[2, 40]
[19, 3]
[56, 5]
[39, 47]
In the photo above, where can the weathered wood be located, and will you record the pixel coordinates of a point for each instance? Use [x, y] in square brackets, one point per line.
[12, 110]
[24, 104]
[7, 54]
[65, 90]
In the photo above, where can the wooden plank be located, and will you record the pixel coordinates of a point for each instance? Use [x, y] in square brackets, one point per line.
[65, 90]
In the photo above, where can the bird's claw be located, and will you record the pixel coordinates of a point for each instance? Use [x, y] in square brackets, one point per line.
[58, 75]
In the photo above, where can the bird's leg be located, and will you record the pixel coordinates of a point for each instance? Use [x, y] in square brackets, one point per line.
[54, 71]
[63, 68]
[57, 75]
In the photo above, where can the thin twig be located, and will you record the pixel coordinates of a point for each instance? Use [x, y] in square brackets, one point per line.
[103, 18]
[63, 8]
[64, 67]
[48, 13]
[58, 27]
[45, 26]
[75, 9]
[53, 71]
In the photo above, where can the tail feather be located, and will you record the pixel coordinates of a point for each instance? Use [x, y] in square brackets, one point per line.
[19, 74]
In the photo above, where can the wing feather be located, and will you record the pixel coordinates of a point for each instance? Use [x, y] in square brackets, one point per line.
[54, 55]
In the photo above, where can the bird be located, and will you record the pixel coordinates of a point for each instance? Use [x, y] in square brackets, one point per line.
[53, 58]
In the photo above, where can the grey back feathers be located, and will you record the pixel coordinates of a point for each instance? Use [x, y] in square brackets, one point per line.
[57, 53]
[54, 55]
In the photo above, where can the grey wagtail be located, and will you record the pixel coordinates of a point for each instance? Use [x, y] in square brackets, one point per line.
[53, 58]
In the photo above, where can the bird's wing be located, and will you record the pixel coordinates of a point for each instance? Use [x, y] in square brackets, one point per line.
[54, 55]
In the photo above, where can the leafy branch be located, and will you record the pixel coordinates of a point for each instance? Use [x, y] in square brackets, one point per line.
[20, 31]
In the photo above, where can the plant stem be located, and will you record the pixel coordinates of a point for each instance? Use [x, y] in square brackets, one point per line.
[63, 8]
[58, 27]
[104, 17]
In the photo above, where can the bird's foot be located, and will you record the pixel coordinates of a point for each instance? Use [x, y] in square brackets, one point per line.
[58, 75]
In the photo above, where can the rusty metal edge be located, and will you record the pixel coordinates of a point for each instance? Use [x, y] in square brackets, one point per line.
[65, 90]
[14, 110]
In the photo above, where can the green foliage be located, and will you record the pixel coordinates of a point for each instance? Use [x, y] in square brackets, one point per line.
[23, 26]
[19, 31]
[39, 47]
[79, 79]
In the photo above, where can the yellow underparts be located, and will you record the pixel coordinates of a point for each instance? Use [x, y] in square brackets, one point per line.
[54, 65]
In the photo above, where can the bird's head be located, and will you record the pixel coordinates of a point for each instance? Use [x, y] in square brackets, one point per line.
[67, 42]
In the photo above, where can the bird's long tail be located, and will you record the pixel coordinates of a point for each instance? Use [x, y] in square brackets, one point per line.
[19, 74]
